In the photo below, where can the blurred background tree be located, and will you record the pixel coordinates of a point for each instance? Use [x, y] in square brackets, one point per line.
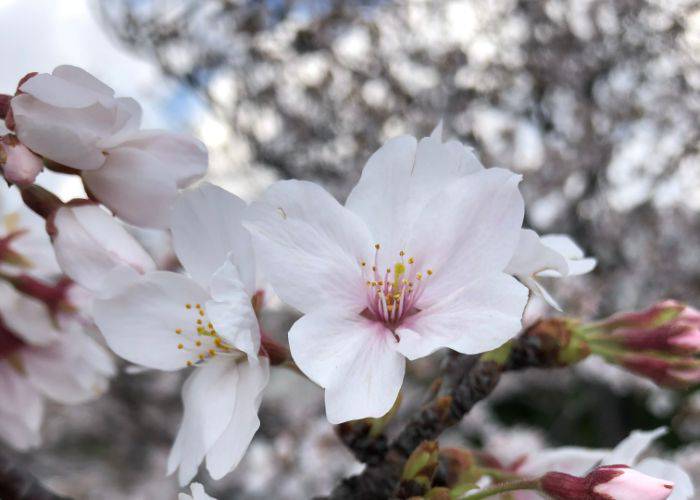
[595, 102]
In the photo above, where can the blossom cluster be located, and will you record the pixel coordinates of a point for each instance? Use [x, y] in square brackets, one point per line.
[428, 252]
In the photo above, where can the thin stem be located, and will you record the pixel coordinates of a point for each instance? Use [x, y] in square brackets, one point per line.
[523, 484]
[497, 474]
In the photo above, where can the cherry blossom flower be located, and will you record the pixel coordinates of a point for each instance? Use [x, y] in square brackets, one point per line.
[578, 461]
[198, 493]
[169, 321]
[552, 255]
[43, 357]
[412, 263]
[74, 120]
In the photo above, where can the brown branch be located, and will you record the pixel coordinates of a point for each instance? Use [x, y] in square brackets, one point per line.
[17, 484]
[472, 380]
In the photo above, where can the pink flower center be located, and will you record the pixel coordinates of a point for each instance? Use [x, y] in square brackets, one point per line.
[393, 291]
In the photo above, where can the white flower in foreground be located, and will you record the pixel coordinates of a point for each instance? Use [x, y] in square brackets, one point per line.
[412, 263]
[169, 321]
[579, 461]
[553, 255]
[73, 119]
[198, 493]
[42, 356]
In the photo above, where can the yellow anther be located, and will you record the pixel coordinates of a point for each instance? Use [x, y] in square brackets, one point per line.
[198, 306]
[212, 352]
[380, 283]
[180, 346]
[411, 260]
[199, 321]
[388, 270]
[404, 281]
[218, 343]
[363, 263]
[188, 306]
[178, 330]
[402, 253]
[189, 363]
[373, 283]
[419, 276]
[201, 357]
[377, 246]
[198, 343]
[210, 326]
[430, 272]
[201, 312]
[374, 268]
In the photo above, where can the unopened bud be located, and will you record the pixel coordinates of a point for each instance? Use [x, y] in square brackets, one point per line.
[673, 372]
[458, 465]
[668, 326]
[19, 165]
[609, 482]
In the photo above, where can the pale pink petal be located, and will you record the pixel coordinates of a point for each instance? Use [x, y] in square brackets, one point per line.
[568, 459]
[229, 449]
[310, 246]
[664, 469]
[206, 227]
[141, 178]
[140, 320]
[628, 450]
[89, 243]
[209, 398]
[467, 231]
[231, 311]
[577, 262]
[353, 358]
[477, 318]
[633, 485]
[198, 493]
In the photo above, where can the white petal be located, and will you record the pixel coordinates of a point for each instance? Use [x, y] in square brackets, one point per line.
[569, 459]
[66, 136]
[198, 493]
[477, 318]
[206, 226]
[532, 256]
[82, 78]
[231, 311]
[59, 92]
[140, 320]
[663, 469]
[15, 431]
[18, 398]
[565, 246]
[468, 230]
[62, 371]
[30, 319]
[141, 178]
[311, 246]
[209, 397]
[629, 449]
[229, 449]
[89, 243]
[353, 358]
[399, 179]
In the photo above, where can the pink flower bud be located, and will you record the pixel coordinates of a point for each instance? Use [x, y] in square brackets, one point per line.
[608, 482]
[19, 165]
[674, 372]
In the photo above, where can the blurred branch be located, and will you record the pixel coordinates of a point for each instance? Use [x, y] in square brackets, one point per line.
[17, 484]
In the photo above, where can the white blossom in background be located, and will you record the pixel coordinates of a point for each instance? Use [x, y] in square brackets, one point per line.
[552, 255]
[198, 493]
[578, 462]
[205, 320]
[73, 119]
[412, 263]
[42, 356]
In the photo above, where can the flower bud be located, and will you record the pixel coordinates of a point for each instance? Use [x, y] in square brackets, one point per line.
[673, 372]
[19, 165]
[668, 326]
[608, 482]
